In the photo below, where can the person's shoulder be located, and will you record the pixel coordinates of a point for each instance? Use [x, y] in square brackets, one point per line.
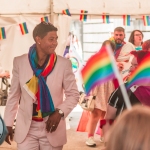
[129, 45]
[21, 57]
[62, 59]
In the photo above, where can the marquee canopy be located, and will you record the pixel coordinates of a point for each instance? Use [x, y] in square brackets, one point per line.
[14, 12]
[97, 7]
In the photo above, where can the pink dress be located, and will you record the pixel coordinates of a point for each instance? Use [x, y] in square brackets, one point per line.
[102, 93]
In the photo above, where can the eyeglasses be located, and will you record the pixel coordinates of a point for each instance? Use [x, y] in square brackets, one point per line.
[138, 35]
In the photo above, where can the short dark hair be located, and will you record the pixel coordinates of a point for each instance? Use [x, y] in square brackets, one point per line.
[120, 29]
[42, 29]
[131, 38]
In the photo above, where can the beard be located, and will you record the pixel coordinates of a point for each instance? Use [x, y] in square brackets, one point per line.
[118, 41]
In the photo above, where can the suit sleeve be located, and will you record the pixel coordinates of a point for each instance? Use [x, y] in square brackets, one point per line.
[13, 97]
[70, 89]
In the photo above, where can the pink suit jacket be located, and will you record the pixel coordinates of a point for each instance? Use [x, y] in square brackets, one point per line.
[59, 81]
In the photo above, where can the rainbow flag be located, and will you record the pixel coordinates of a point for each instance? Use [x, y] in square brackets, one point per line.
[146, 20]
[105, 19]
[97, 70]
[66, 12]
[83, 15]
[23, 28]
[141, 76]
[44, 19]
[126, 20]
[2, 33]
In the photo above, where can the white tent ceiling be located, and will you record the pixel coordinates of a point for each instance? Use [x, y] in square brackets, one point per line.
[24, 6]
[13, 12]
[98, 7]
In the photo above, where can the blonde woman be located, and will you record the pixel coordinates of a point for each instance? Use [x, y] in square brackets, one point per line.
[88, 121]
[131, 130]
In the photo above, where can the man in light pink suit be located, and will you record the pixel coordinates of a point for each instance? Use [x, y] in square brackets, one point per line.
[39, 80]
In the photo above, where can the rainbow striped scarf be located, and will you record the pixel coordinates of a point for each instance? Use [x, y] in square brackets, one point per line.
[37, 88]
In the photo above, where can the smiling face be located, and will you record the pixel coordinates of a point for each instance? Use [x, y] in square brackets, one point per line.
[48, 43]
[119, 37]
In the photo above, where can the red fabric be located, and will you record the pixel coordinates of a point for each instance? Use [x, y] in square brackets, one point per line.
[118, 51]
[115, 82]
[82, 126]
[50, 65]
[104, 121]
[90, 135]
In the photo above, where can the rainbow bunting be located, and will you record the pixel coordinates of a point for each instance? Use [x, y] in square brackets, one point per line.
[141, 76]
[97, 70]
[105, 19]
[126, 20]
[146, 20]
[44, 19]
[2, 33]
[66, 12]
[23, 28]
[83, 15]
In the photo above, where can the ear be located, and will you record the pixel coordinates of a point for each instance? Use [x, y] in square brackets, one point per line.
[38, 39]
[124, 35]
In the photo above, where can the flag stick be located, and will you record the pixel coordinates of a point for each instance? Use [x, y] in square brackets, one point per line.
[121, 84]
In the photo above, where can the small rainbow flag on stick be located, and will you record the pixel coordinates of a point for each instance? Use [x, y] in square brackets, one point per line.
[2, 33]
[126, 20]
[23, 28]
[83, 15]
[97, 70]
[44, 19]
[66, 12]
[141, 76]
[105, 19]
[146, 20]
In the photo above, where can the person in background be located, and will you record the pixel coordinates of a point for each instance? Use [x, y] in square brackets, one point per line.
[122, 51]
[131, 130]
[136, 38]
[137, 95]
[102, 93]
[146, 45]
[40, 79]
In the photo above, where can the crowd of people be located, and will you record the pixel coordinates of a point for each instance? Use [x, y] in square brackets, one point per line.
[109, 103]
[41, 77]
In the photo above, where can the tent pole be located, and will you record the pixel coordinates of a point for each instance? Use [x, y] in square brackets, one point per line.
[51, 12]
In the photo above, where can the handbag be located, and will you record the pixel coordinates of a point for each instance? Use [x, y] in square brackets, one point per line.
[87, 102]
